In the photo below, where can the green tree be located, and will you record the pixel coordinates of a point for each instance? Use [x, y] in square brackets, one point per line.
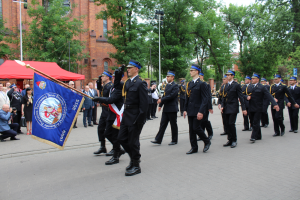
[50, 32]
[5, 50]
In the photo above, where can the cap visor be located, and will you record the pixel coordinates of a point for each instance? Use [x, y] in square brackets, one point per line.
[128, 66]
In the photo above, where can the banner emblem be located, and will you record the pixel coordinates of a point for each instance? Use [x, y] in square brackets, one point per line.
[41, 84]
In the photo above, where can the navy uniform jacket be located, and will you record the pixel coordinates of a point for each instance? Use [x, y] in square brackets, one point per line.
[182, 91]
[230, 101]
[150, 100]
[169, 99]
[258, 93]
[15, 99]
[88, 103]
[135, 94]
[244, 87]
[209, 103]
[266, 100]
[295, 94]
[104, 92]
[279, 92]
[196, 98]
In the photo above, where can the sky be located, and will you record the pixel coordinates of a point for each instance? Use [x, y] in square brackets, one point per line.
[238, 2]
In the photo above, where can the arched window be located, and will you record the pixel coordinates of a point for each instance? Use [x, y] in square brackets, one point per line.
[105, 27]
[105, 65]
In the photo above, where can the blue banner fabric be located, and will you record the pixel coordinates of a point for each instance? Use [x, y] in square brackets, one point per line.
[55, 110]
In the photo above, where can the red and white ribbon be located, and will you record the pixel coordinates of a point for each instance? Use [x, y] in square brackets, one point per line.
[119, 115]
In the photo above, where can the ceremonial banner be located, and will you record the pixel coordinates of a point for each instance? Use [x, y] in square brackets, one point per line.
[55, 110]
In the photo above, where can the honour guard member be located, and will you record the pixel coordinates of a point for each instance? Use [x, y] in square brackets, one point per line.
[220, 98]
[135, 96]
[115, 102]
[230, 106]
[246, 117]
[155, 97]
[170, 103]
[182, 91]
[255, 95]
[150, 101]
[264, 114]
[293, 111]
[195, 108]
[205, 122]
[278, 91]
[104, 89]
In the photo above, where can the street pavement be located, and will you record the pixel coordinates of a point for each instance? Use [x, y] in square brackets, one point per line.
[267, 169]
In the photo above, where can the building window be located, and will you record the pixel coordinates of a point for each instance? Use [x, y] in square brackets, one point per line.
[105, 65]
[66, 3]
[105, 27]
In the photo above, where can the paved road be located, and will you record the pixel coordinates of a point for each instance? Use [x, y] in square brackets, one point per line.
[268, 169]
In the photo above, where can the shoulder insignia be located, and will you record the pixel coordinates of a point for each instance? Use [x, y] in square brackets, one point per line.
[141, 78]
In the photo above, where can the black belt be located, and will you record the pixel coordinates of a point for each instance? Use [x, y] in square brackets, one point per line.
[126, 106]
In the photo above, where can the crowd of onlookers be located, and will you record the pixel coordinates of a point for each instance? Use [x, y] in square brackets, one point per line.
[16, 110]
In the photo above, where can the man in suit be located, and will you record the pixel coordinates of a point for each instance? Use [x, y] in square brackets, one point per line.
[150, 101]
[24, 91]
[115, 102]
[7, 130]
[135, 96]
[87, 107]
[155, 97]
[182, 91]
[230, 106]
[255, 95]
[94, 111]
[264, 114]
[205, 122]
[220, 98]
[195, 108]
[104, 89]
[293, 111]
[278, 91]
[169, 114]
[246, 117]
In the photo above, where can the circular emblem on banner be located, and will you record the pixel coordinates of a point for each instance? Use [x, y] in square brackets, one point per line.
[42, 85]
[50, 110]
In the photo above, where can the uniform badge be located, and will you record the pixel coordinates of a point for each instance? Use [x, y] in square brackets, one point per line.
[41, 84]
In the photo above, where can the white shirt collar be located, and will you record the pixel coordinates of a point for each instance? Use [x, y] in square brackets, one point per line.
[195, 80]
[230, 82]
[133, 78]
[277, 84]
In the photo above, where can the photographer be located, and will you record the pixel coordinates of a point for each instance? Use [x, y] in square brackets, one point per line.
[7, 130]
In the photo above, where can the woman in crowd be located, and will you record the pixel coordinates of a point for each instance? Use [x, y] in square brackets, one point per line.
[27, 106]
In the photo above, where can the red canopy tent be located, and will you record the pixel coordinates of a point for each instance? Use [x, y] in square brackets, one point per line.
[10, 69]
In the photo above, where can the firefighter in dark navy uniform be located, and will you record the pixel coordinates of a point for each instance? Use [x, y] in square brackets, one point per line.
[293, 111]
[220, 98]
[135, 96]
[246, 117]
[195, 108]
[278, 91]
[104, 89]
[265, 115]
[182, 91]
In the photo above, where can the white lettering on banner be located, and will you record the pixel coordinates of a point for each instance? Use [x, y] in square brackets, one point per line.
[62, 135]
[75, 104]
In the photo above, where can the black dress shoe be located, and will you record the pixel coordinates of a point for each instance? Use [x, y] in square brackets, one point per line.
[154, 117]
[258, 139]
[172, 143]
[155, 142]
[100, 150]
[91, 125]
[149, 119]
[85, 126]
[250, 129]
[252, 140]
[291, 130]
[114, 159]
[75, 126]
[192, 151]
[135, 169]
[199, 139]
[245, 129]
[210, 137]
[111, 153]
[130, 165]
[233, 145]
[276, 134]
[14, 138]
[2, 140]
[227, 144]
[282, 133]
[20, 132]
[295, 131]
[266, 125]
[206, 147]
[95, 123]
[224, 133]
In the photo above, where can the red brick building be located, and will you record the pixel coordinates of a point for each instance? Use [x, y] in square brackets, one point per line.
[96, 43]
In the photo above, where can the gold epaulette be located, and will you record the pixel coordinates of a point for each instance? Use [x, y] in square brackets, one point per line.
[141, 78]
[182, 89]
[124, 93]
[187, 90]
[247, 91]
[286, 95]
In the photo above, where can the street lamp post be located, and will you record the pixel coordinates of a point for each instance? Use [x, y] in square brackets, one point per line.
[159, 16]
[21, 46]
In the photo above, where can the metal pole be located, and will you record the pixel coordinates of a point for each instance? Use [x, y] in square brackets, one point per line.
[151, 64]
[69, 58]
[21, 47]
[159, 64]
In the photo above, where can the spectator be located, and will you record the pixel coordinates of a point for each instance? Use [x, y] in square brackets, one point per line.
[7, 130]
[87, 107]
[24, 91]
[94, 94]
[3, 96]
[5, 90]
[27, 107]
[8, 85]
[72, 84]
[15, 102]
